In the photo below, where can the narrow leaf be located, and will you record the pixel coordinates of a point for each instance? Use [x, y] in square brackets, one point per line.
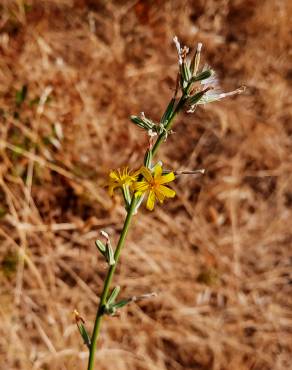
[84, 334]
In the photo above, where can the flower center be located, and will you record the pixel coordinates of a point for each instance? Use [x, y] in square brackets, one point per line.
[154, 184]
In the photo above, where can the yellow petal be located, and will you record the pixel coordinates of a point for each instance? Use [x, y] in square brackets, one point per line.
[167, 178]
[157, 171]
[150, 201]
[147, 174]
[141, 186]
[159, 195]
[113, 175]
[167, 192]
[135, 174]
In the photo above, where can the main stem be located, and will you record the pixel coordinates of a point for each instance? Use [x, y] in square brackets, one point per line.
[107, 284]
[120, 245]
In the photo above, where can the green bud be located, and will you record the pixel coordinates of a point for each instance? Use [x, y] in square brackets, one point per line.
[202, 76]
[142, 122]
[106, 249]
[185, 71]
[109, 254]
[137, 121]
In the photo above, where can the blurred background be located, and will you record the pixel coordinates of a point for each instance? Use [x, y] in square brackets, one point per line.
[218, 256]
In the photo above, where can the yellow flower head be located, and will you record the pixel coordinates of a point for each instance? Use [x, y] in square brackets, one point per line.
[154, 184]
[120, 178]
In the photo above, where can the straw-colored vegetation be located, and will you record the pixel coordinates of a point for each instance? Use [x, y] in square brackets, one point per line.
[218, 255]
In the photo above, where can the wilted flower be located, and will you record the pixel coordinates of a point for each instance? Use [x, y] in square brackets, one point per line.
[182, 52]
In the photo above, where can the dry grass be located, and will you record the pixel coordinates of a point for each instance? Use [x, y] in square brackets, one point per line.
[219, 255]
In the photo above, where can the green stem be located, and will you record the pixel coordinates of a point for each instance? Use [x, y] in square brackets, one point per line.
[107, 285]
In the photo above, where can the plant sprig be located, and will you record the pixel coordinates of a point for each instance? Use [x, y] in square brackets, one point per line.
[195, 87]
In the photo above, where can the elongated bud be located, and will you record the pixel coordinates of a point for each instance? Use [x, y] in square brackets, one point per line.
[106, 249]
[196, 59]
[109, 307]
[82, 330]
[193, 100]
[148, 158]
[113, 296]
[185, 72]
[142, 122]
[202, 76]
[100, 246]
[168, 112]
[110, 255]
[137, 121]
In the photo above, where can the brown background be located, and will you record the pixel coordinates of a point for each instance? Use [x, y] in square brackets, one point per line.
[219, 255]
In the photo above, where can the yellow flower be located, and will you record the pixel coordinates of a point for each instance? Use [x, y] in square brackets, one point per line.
[121, 178]
[154, 184]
